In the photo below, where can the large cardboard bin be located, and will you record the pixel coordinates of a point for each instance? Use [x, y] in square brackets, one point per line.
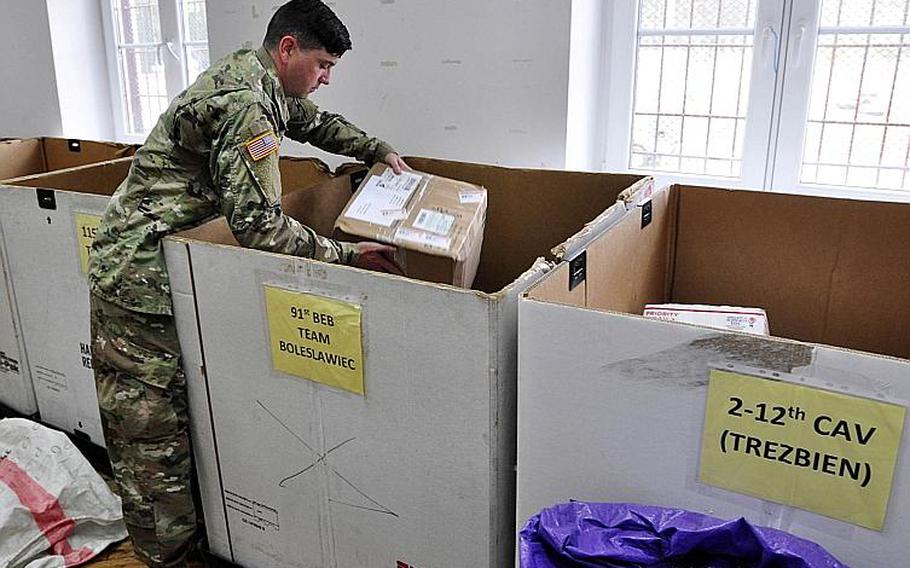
[48, 224]
[28, 156]
[21, 158]
[417, 469]
[612, 406]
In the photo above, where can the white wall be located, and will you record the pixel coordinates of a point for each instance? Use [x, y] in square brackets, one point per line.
[475, 80]
[29, 105]
[81, 68]
[584, 144]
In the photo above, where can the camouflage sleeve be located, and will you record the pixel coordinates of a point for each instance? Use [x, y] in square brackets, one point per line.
[332, 133]
[244, 164]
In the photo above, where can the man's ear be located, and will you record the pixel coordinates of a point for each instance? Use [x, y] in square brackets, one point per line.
[286, 46]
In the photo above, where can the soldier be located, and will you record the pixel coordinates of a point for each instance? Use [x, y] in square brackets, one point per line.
[213, 152]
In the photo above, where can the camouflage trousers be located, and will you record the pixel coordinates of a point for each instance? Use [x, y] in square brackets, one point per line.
[143, 399]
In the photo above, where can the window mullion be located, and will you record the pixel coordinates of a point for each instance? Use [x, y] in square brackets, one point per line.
[172, 46]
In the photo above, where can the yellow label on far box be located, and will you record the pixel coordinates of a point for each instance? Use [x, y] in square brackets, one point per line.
[86, 226]
[315, 338]
[822, 451]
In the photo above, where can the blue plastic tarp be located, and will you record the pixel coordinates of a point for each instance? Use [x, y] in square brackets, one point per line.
[622, 535]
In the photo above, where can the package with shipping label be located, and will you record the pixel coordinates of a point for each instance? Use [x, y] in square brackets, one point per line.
[437, 223]
[746, 320]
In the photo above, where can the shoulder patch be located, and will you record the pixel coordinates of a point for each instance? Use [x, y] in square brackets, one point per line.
[262, 145]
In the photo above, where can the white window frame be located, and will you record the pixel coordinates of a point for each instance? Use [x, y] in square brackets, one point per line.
[785, 37]
[622, 63]
[803, 18]
[171, 50]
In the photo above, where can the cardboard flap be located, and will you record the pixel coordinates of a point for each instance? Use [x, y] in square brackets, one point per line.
[97, 179]
[316, 206]
[826, 270]
[555, 288]
[625, 202]
[628, 267]
[62, 153]
[21, 158]
[320, 205]
[528, 211]
[301, 173]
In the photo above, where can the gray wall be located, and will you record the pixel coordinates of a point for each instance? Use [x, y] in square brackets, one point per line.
[28, 105]
[81, 68]
[475, 80]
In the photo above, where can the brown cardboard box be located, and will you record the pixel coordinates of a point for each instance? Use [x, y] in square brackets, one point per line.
[828, 274]
[47, 221]
[39, 155]
[437, 223]
[432, 442]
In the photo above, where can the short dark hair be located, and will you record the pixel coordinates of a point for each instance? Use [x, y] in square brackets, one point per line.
[312, 23]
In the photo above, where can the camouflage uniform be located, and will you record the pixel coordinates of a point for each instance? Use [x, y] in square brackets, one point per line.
[213, 152]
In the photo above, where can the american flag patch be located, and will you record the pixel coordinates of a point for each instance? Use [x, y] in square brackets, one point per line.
[262, 145]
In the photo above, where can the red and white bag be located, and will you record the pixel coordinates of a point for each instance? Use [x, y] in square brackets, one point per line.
[55, 510]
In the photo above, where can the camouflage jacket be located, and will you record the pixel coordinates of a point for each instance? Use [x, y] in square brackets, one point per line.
[213, 152]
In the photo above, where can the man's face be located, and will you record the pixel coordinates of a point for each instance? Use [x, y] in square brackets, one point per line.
[302, 71]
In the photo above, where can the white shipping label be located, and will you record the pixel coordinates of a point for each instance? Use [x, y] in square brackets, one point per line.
[434, 222]
[383, 198]
[406, 235]
[395, 214]
[466, 197]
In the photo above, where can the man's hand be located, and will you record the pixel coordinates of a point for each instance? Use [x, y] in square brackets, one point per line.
[396, 163]
[377, 257]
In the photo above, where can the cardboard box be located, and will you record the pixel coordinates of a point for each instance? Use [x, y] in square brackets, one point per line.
[613, 406]
[40, 155]
[436, 223]
[16, 392]
[418, 467]
[48, 223]
[746, 320]
[20, 158]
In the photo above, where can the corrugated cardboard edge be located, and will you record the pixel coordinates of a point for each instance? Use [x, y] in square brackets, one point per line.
[22, 145]
[579, 242]
[17, 182]
[321, 165]
[625, 202]
[527, 278]
[183, 296]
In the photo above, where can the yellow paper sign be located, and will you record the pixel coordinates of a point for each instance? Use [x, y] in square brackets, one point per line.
[315, 338]
[86, 227]
[818, 450]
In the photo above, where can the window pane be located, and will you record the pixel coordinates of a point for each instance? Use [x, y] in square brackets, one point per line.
[858, 115]
[195, 38]
[136, 21]
[692, 88]
[142, 75]
[197, 61]
[143, 87]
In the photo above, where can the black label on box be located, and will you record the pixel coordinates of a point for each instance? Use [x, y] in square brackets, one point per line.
[358, 177]
[578, 270]
[646, 214]
[74, 145]
[46, 198]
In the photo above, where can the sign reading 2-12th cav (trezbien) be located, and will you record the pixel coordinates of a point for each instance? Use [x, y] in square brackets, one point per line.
[823, 451]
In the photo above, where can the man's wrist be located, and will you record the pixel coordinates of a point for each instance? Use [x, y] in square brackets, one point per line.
[382, 150]
[350, 253]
